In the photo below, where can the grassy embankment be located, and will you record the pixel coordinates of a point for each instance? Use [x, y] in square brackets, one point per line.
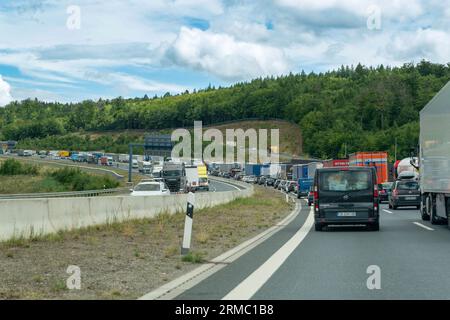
[20, 177]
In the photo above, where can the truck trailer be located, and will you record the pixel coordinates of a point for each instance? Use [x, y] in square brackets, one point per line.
[336, 163]
[303, 174]
[434, 158]
[192, 178]
[253, 169]
[379, 160]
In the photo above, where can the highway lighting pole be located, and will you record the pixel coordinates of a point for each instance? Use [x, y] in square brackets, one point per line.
[188, 223]
[130, 163]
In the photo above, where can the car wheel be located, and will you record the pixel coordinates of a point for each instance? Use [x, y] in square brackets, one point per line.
[318, 226]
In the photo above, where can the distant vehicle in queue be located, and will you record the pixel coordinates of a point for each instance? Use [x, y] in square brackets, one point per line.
[269, 182]
[282, 185]
[150, 188]
[346, 196]
[405, 193]
[384, 191]
[276, 183]
[290, 186]
[262, 180]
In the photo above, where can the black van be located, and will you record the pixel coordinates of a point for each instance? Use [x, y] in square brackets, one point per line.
[346, 195]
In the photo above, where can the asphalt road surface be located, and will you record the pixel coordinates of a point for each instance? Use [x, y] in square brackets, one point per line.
[409, 259]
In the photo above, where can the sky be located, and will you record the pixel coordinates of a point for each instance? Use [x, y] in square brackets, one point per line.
[68, 51]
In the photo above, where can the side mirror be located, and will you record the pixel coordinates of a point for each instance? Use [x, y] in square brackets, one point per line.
[131, 190]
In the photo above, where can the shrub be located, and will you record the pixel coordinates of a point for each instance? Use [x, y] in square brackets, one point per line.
[13, 167]
[76, 180]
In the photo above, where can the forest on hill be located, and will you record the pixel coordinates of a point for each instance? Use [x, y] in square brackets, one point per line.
[345, 110]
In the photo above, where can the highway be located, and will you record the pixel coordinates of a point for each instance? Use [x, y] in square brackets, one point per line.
[215, 186]
[300, 263]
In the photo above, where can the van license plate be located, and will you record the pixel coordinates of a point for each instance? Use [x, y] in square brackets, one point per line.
[346, 214]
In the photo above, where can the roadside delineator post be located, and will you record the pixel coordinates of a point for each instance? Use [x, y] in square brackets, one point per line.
[188, 223]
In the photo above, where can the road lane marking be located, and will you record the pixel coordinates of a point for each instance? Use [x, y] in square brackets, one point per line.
[247, 288]
[387, 211]
[423, 226]
[180, 285]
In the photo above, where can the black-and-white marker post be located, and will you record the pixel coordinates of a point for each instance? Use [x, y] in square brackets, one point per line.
[188, 224]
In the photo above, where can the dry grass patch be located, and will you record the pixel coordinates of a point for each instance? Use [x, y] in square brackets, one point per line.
[126, 260]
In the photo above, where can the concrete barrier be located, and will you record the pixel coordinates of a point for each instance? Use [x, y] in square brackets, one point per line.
[30, 217]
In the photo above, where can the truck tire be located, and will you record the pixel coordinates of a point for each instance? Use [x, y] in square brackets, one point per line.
[423, 209]
[423, 212]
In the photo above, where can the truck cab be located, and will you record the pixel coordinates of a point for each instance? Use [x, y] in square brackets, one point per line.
[174, 175]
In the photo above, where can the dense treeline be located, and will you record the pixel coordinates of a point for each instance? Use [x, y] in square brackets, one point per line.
[352, 108]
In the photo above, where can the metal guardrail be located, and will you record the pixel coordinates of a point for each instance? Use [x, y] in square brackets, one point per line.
[73, 194]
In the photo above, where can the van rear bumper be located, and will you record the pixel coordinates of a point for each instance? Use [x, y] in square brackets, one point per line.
[362, 215]
[346, 220]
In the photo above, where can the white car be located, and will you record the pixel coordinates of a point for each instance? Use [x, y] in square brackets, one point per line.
[150, 188]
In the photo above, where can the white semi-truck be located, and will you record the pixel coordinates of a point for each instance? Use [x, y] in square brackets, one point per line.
[434, 158]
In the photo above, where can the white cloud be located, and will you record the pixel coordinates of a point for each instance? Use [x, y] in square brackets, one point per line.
[144, 85]
[421, 44]
[129, 47]
[5, 92]
[222, 55]
[397, 9]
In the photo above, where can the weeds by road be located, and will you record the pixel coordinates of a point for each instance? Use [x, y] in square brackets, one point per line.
[127, 260]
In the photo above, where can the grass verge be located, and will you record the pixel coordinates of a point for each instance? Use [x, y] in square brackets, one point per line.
[127, 260]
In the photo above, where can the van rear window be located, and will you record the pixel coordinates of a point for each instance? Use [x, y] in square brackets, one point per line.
[345, 180]
[407, 185]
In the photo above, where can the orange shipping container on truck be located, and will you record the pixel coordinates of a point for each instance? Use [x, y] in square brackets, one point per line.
[379, 160]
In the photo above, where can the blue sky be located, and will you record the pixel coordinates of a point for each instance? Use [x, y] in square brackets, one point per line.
[54, 51]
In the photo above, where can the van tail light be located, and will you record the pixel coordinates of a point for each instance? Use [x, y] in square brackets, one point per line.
[316, 199]
[375, 191]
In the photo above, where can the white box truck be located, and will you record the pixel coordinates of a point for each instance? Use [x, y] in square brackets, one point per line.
[145, 167]
[192, 178]
[434, 158]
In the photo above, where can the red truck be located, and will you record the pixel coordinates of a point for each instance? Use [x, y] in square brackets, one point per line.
[336, 163]
[104, 161]
[379, 160]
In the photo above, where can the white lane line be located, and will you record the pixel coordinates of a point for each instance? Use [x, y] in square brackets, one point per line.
[387, 211]
[247, 288]
[180, 285]
[423, 226]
